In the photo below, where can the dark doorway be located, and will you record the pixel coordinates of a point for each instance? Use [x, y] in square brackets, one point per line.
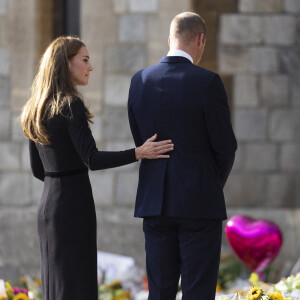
[211, 11]
[66, 17]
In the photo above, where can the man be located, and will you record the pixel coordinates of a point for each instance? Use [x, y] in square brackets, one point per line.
[181, 198]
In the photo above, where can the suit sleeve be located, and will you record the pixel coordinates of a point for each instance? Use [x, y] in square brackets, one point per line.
[132, 121]
[85, 145]
[221, 136]
[35, 161]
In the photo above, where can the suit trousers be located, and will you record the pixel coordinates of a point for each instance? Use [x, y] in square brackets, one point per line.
[182, 246]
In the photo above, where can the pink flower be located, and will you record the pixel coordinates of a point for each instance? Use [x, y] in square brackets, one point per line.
[18, 290]
[24, 291]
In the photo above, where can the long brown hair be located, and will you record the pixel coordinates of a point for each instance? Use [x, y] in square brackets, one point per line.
[51, 89]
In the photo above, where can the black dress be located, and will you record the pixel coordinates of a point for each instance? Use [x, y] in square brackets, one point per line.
[66, 216]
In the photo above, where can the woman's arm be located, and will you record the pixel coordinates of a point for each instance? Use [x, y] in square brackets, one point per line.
[85, 145]
[35, 161]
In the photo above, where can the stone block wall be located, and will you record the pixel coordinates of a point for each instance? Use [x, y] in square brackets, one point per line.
[19, 250]
[21, 44]
[259, 47]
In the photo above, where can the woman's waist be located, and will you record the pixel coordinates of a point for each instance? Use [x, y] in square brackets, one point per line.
[65, 173]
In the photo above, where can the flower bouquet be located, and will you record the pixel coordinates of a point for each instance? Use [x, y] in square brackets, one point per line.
[289, 287]
[286, 289]
[14, 293]
[27, 289]
[113, 291]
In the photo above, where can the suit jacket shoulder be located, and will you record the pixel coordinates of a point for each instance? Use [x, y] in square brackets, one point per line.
[190, 68]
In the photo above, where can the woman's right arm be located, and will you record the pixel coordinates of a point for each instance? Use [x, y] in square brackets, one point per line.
[85, 145]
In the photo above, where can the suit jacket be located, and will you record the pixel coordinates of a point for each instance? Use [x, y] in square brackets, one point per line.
[188, 104]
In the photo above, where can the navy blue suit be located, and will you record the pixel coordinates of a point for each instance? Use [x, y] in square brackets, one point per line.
[187, 104]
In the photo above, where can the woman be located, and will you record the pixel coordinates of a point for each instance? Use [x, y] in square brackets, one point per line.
[62, 148]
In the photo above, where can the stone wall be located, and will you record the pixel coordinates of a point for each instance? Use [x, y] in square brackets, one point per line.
[259, 47]
[18, 196]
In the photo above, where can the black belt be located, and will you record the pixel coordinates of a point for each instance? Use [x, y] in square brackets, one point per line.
[65, 173]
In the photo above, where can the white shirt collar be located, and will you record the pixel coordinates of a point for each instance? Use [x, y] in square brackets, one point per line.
[177, 52]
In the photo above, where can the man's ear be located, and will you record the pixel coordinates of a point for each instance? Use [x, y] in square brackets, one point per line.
[169, 41]
[199, 40]
[202, 36]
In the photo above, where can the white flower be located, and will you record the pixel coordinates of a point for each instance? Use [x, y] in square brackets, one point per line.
[283, 286]
[143, 295]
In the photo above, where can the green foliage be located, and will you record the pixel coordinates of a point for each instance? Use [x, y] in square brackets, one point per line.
[230, 269]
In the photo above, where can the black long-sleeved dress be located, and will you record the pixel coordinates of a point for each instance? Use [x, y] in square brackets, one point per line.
[66, 215]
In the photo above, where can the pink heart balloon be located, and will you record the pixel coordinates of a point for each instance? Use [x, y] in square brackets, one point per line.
[255, 242]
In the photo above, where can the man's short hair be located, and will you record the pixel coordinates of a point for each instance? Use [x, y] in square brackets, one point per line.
[187, 26]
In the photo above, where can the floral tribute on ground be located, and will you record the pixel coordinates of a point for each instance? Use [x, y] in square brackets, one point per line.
[232, 285]
[286, 289]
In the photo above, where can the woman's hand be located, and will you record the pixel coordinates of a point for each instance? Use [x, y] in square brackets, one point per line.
[154, 150]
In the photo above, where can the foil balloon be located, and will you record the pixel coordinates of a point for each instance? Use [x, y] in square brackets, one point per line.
[255, 242]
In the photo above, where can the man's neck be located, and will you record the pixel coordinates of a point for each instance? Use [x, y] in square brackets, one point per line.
[180, 52]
